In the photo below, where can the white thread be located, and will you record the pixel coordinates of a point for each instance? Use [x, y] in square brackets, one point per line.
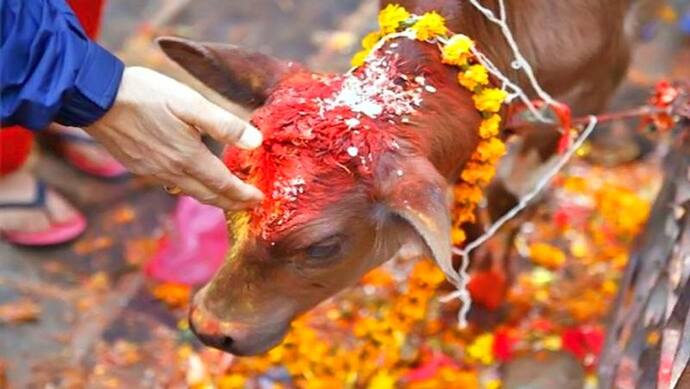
[459, 278]
[524, 65]
[462, 292]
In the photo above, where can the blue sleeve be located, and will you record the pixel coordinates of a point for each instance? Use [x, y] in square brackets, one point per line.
[49, 69]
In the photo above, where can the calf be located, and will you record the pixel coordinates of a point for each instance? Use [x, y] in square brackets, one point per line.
[356, 167]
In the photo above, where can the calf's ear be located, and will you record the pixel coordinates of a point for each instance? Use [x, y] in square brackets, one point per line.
[244, 77]
[414, 191]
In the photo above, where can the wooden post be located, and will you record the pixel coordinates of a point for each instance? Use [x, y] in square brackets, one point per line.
[648, 341]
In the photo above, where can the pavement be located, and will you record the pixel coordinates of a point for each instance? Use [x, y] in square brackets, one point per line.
[80, 305]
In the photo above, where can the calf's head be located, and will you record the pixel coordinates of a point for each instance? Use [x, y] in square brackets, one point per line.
[347, 173]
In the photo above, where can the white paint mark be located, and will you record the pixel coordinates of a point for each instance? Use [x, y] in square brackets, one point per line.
[374, 93]
[352, 122]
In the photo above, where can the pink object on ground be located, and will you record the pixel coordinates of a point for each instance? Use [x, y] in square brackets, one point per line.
[56, 234]
[194, 247]
[107, 169]
[430, 368]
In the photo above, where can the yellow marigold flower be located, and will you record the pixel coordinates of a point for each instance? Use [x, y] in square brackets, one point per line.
[457, 50]
[276, 355]
[360, 58]
[382, 380]
[490, 150]
[430, 25]
[490, 126]
[545, 255]
[580, 249]
[474, 76]
[391, 17]
[481, 350]
[490, 99]
[553, 343]
[591, 381]
[541, 277]
[371, 39]
[494, 384]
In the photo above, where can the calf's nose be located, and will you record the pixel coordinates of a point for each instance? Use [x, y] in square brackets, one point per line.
[210, 330]
[234, 337]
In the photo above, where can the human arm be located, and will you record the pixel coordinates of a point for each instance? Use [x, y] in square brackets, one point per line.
[50, 71]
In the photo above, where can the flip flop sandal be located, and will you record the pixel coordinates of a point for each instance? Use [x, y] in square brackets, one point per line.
[110, 170]
[55, 234]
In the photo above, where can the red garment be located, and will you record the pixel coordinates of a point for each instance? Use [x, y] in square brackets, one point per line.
[15, 145]
[15, 142]
[90, 14]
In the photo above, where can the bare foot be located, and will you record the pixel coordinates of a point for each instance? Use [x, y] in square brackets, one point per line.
[20, 187]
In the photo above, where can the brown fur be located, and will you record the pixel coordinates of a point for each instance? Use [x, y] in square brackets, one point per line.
[579, 50]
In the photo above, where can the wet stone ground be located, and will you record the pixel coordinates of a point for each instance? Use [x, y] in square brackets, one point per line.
[75, 302]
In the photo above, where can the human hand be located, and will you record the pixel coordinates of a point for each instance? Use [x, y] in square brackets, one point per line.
[154, 128]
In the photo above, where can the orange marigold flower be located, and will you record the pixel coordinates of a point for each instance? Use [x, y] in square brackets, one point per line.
[464, 215]
[458, 236]
[430, 25]
[576, 184]
[464, 194]
[546, 255]
[476, 173]
[378, 277]
[391, 17]
[474, 76]
[413, 305]
[173, 295]
[463, 379]
[589, 305]
[622, 208]
[490, 99]
[426, 272]
[231, 381]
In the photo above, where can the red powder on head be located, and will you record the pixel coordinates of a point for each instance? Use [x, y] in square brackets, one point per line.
[322, 135]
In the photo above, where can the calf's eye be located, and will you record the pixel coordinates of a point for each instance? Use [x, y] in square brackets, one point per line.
[325, 249]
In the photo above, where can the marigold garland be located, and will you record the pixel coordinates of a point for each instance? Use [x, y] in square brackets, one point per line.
[456, 50]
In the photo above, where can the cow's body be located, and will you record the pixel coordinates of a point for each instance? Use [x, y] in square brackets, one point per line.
[396, 204]
[579, 50]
